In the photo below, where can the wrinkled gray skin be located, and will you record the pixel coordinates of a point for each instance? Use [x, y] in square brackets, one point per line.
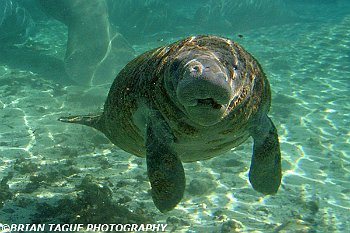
[189, 101]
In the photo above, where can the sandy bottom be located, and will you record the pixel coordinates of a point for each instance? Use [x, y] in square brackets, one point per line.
[60, 173]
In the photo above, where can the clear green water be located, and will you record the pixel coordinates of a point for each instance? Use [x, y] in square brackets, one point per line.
[305, 52]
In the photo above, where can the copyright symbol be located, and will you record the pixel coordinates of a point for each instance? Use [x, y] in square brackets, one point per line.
[4, 227]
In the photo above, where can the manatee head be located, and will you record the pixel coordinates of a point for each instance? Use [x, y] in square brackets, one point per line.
[204, 80]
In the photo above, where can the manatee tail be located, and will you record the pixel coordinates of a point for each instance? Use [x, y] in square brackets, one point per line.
[92, 120]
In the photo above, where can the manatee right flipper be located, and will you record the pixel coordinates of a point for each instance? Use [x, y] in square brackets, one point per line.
[265, 170]
[164, 168]
[92, 120]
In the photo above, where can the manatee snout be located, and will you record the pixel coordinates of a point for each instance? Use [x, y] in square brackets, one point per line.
[203, 83]
[204, 88]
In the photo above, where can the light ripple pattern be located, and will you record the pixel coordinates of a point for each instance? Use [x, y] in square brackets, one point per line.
[46, 163]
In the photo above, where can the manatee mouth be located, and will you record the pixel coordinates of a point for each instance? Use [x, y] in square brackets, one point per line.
[210, 102]
[206, 111]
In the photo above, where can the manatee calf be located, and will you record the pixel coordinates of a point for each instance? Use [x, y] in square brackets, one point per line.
[188, 101]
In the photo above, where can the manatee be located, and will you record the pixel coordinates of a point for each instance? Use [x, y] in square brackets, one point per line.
[92, 43]
[16, 24]
[191, 100]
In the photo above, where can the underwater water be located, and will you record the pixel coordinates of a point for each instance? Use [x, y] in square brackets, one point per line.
[51, 172]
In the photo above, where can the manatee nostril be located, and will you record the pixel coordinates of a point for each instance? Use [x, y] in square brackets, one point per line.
[195, 68]
[195, 71]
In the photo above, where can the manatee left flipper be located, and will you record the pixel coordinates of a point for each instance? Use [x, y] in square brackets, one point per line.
[265, 170]
[164, 168]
